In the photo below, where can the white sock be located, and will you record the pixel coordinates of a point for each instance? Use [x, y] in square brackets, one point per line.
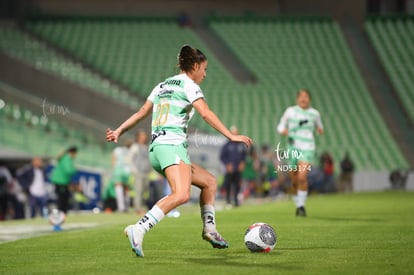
[153, 216]
[296, 200]
[302, 195]
[127, 200]
[120, 200]
[208, 217]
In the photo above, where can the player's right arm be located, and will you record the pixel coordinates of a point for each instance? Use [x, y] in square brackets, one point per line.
[282, 127]
[143, 112]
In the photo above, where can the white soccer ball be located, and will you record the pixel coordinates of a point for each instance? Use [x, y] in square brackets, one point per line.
[260, 237]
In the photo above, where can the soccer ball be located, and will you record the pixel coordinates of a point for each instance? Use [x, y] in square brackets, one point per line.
[260, 237]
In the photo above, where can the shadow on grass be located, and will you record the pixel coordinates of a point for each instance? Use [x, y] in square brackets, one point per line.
[347, 219]
[281, 249]
[239, 259]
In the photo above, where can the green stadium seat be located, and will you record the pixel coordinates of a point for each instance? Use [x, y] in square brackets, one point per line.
[393, 39]
[22, 46]
[284, 54]
[290, 54]
[29, 132]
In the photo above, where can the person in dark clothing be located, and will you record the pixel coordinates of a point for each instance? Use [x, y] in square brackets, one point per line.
[346, 177]
[5, 183]
[398, 178]
[233, 156]
[327, 164]
[32, 178]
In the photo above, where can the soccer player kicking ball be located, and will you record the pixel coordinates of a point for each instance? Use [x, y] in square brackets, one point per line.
[299, 124]
[171, 103]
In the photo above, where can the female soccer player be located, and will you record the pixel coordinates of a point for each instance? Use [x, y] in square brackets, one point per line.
[171, 103]
[299, 123]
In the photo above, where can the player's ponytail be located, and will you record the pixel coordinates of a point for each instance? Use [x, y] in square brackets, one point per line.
[188, 56]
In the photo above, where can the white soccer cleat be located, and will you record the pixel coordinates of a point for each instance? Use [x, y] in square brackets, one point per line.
[135, 238]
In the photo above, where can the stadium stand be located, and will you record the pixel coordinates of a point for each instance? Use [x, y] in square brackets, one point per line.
[22, 46]
[284, 55]
[287, 54]
[139, 56]
[32, 132]
[119, 47]
[393, 40]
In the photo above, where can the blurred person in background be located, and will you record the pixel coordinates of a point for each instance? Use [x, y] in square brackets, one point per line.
[121, 175]
[347, 173]
[110, 199]
[250, 173]
[268, 174]
[184, 20]
[233, 156]
[328, 169]
[156, 188]
[398, 178]
[140, 169]
[299, 123]
[62, 175]
[12, 196]
[6, 180]
[32, 177]
[18, 200]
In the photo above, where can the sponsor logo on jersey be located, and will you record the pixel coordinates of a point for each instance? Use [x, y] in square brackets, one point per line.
[165, 93]
[174, 82]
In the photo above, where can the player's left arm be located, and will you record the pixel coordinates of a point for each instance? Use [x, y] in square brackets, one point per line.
[319, 125]
[211, 118]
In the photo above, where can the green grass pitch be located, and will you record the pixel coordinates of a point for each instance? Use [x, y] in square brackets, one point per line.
[365, 233]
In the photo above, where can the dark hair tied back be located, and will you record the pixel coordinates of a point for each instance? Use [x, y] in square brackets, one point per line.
[72, 149]
[304, 91]
[189, 56]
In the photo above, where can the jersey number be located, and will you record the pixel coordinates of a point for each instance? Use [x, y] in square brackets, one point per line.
[162, 110]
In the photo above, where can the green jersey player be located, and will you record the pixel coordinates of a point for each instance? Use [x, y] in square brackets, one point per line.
[171, 104]
[299, 123]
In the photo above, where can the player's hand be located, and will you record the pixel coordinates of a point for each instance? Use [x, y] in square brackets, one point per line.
[285, 132]
[240, 138]
[112, 135]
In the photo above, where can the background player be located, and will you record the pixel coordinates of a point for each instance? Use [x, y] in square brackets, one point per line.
[299, 124]
[171, 103]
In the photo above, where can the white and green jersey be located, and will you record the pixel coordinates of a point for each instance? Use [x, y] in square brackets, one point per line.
[173, 108]
[121, 158]
[301, 124]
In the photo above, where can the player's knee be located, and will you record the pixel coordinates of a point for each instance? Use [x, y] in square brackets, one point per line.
[301, 179]
[211, 182]
[183, 198]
